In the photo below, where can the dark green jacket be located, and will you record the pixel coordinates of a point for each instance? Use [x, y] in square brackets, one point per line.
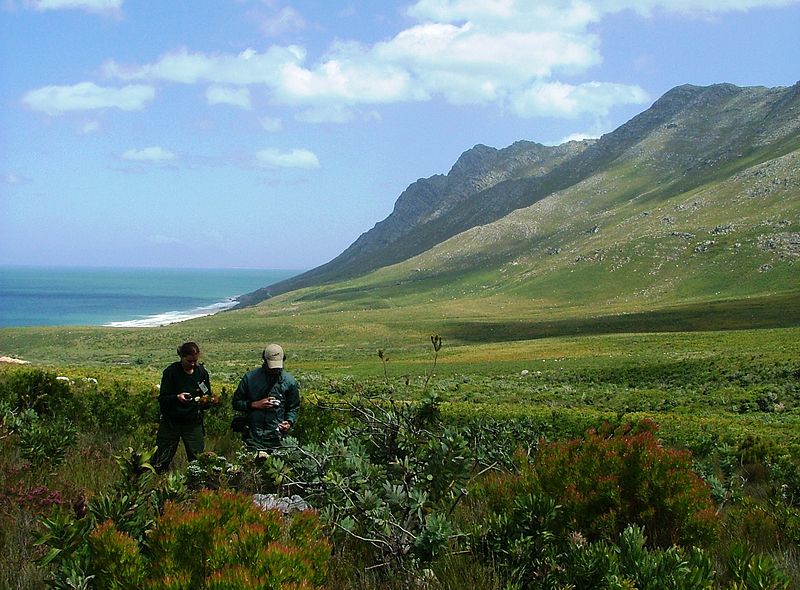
[263, 423]
[174, 380]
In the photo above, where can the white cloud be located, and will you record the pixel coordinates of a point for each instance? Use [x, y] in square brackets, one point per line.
[341, 81]
[465, 51]
[690, 7]
[453, 10]
[56, 100]
[111, 7]
[271, 124]
[514, 54]
[242, 69]
[149, 154]
[580, 136]
[560, 15]
[296, 158]
[238, 97]
[464, 63]
[467, 65]
[287, 19]
[556, 99]
[511, 53]
[522, 15]
[90, 127]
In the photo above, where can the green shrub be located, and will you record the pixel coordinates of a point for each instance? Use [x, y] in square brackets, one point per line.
[116, 406]
[785, 476]
[387, 482]
[755, 521]
[37, 390]
[751, 571]
[319, 417]
[536, 548]
[41, 439]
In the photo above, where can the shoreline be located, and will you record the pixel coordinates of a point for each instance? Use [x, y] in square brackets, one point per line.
[123, 297]
[174, 317]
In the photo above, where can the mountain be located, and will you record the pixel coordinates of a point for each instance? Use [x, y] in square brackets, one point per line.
[701, 168]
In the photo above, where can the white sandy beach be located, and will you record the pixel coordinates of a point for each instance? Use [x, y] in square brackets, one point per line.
[173, 317]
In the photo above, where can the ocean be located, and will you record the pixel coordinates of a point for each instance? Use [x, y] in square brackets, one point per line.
[122, 297]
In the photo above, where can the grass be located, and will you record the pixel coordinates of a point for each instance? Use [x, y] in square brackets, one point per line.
[317, 337]
[691, 369]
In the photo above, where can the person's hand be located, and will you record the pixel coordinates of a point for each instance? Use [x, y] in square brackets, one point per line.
[267, 402]
[184, 397]
[284, 426]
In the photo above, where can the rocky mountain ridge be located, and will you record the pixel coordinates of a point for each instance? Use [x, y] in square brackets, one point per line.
[688, 136]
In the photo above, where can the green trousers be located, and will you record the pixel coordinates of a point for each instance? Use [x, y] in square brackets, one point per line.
[169, 436]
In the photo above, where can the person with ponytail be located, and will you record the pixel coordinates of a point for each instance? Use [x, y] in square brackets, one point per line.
[185, 393]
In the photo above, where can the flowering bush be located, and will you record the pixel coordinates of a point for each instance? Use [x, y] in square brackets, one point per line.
[116, 560]
[611, 479]
[224, 540]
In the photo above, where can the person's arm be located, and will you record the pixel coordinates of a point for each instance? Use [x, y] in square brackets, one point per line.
[241, 397]
[292, 403]
[168, 395]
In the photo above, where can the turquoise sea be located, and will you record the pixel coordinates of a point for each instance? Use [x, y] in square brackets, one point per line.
[124, 297]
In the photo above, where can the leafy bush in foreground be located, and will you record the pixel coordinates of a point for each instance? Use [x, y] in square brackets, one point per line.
[223, 539]
[41, 439]
[145, 537]
[387, 481]
[531, 545]
[610, 480]
[582, 492]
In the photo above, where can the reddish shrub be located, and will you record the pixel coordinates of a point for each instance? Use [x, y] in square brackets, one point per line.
[611, 479]
[224, 540]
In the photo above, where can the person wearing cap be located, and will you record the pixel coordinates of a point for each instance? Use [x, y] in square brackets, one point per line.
[270, 398]
[185, 387]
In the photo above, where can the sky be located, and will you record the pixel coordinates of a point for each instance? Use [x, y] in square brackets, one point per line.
[272, 133]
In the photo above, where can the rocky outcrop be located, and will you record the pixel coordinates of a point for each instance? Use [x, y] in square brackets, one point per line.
[283, 504]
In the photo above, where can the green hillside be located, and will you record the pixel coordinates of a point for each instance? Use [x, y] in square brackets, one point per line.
[695, 150]
[625, 252]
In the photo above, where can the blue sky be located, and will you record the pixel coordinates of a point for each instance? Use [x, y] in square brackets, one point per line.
[271, 133]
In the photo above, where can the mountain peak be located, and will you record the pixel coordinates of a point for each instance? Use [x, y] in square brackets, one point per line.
[475, 160]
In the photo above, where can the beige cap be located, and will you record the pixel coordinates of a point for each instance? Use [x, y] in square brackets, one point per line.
[273, 355]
